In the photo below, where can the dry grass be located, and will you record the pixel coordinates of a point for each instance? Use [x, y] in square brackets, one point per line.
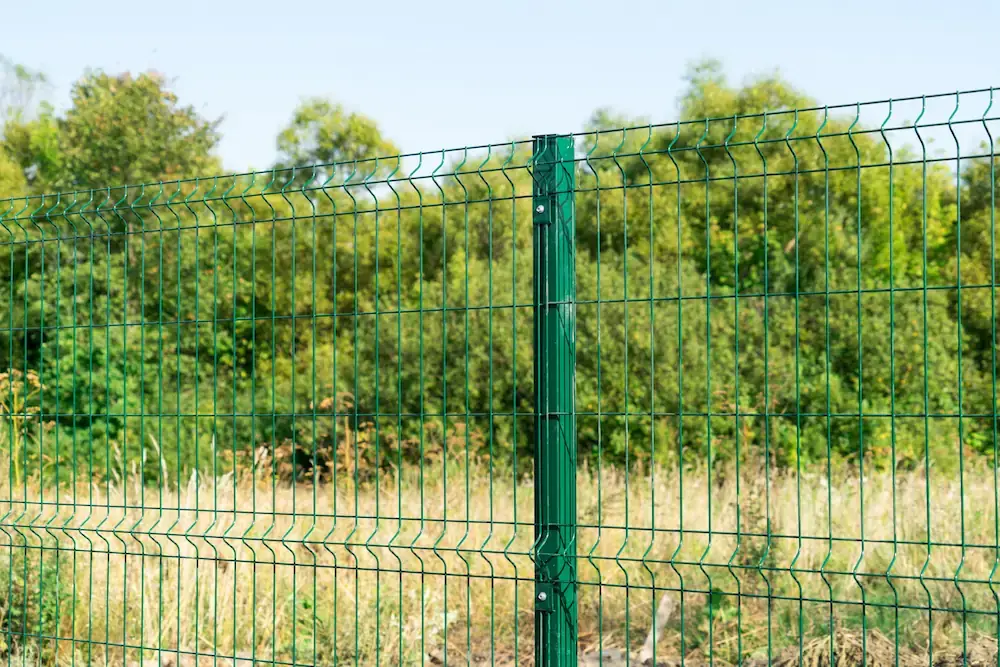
[178, 568]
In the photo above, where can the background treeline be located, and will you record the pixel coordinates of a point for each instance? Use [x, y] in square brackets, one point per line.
[347, 312]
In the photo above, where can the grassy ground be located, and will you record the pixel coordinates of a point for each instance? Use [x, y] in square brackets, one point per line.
[126, 566]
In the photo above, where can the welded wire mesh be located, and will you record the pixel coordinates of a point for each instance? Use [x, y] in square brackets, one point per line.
[271, 416]
[787, 385]
[289, 417]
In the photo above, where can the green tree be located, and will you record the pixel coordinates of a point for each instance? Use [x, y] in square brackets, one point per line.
[119, 129]
[269, 295]
[12, 181]
[19, 86]
[322, 132]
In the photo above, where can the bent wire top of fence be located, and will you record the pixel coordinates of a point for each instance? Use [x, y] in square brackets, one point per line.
[722, 389]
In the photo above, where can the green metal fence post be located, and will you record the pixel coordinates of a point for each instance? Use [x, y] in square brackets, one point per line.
[554, 234]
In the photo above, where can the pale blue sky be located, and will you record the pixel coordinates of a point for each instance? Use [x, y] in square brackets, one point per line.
[439, 73]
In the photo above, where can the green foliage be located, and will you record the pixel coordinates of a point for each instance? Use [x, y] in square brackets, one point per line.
[269, 336]
[18, 86]
[323, 133]
[119, 129]
[12, 181]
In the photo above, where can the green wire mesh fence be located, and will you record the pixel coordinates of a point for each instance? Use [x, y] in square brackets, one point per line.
[720, 390]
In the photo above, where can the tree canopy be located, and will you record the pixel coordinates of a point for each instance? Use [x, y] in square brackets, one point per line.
[119, 129]
[253, 329]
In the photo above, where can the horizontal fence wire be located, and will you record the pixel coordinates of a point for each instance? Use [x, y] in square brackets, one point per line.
[289, 417]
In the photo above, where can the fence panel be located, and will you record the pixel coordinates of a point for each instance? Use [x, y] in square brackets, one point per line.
[290, 417]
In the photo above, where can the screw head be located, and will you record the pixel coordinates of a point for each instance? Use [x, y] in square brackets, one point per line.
[542, 597]
[540, 209]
